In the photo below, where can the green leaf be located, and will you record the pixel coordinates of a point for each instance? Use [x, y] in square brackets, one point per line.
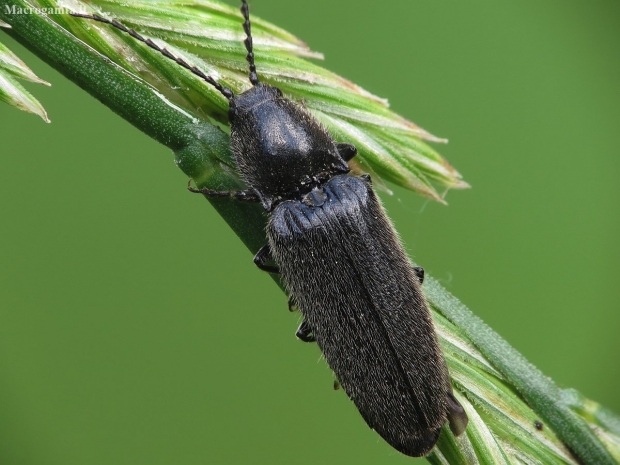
[207, 34]
[511, 405]
[11, 91]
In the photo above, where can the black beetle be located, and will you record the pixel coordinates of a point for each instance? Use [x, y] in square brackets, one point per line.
[341, 261]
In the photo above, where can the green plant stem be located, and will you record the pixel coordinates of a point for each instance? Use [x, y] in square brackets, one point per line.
[540, 392]
[201, 151]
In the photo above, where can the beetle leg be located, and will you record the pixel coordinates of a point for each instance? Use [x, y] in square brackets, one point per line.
[346, 151]
[262, 257]
[247, 195]
[292, 305]
[419, 272]
[456, 415]
[304, 333]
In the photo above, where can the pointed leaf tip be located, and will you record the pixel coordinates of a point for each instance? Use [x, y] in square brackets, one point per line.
[13, 93]
[207, 34]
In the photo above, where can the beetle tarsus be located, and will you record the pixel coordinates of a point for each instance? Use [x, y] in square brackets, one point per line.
[292, 305]
[304, 333]
[247, 195]
[457, 417]
[262, 257]
[419, 272]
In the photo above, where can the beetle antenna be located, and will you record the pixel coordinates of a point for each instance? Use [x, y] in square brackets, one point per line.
[247, 27]
[225, 91]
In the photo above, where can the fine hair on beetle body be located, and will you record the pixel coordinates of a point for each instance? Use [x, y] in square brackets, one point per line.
[340, 259]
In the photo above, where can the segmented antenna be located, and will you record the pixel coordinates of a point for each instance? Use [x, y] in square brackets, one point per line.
[247, 27]
[225, 91]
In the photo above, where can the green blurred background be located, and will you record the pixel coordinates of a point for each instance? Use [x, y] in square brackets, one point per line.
[135, 328]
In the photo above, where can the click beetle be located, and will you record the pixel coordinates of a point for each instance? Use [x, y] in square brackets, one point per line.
[340, 259]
